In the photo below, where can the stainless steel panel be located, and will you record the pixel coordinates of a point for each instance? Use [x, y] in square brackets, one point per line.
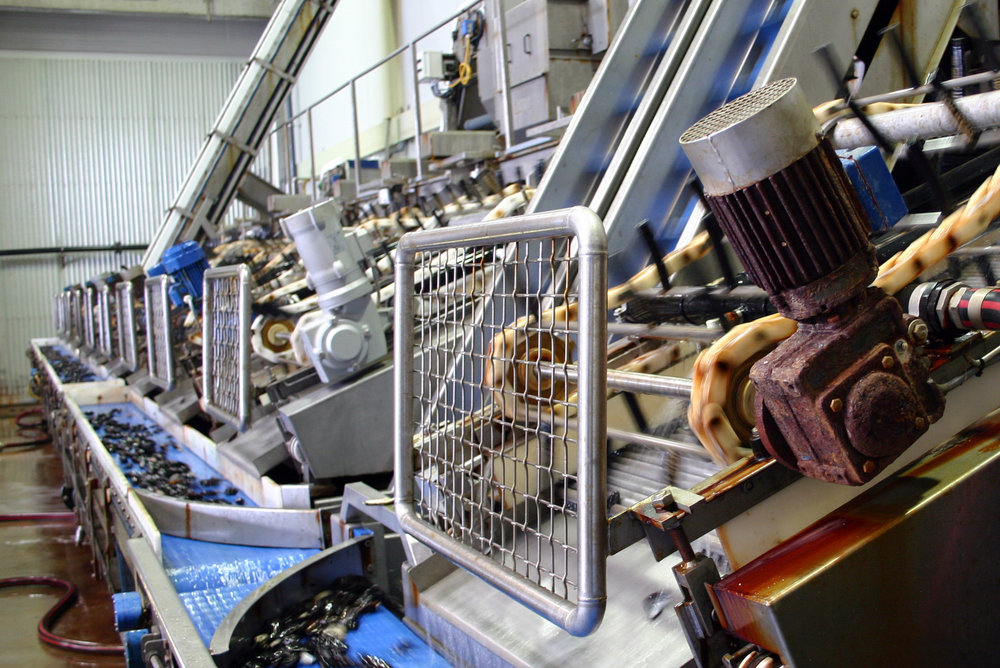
[88, 315]
[106, 339]
[128, 337]
[485, 463]
[159, 343]
[226, 345]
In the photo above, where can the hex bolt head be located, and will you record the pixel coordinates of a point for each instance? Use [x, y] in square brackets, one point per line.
[868, 467]
[920, 423]
[888, 362]
[837, 405]
[918, 331]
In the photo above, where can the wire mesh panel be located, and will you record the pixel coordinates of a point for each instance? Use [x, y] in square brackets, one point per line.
[89, 301]
[499, 468]
[226, 344]
[126, 324]
[159, 348]
[107, 341]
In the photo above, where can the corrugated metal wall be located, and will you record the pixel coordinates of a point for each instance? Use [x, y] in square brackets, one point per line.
[92, 151]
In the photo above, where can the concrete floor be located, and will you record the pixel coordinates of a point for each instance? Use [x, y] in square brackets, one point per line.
[30, 479]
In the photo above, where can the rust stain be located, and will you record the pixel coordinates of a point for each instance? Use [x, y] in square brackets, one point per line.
[187, 520]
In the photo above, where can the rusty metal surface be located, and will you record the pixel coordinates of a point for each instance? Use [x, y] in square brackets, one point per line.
[845, 395]
[866, 584]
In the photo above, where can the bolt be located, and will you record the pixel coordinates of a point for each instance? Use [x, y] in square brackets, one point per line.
[855, 13]
[869, 466]
[920, 423]
[901, 347]
[888, 362]
[836, 405]
[918, 331]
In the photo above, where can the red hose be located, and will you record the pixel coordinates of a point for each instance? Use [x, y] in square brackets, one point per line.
[55, 612]
[32, 411]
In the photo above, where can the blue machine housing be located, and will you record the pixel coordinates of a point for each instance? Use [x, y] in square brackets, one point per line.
[871, 179]
[186, 264]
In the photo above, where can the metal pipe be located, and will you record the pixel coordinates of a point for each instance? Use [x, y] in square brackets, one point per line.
[60, 250]
[357, 135]
[312, 156]
[501, 49]
[626, 381]
[417, 129]
[969, 80]
[667, 444]
[668, 332]
[925, 121]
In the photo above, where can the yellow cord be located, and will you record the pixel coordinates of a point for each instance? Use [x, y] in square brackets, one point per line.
[464, 68]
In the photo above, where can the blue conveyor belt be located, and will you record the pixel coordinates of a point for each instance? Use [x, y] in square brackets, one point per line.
[211, 578]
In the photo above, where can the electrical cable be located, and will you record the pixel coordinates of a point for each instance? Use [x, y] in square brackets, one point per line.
[45, 632]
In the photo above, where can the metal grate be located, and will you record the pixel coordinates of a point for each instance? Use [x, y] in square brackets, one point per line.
[498, 469]
[107, 341]
[89, 316]
[159, 348]
[126, 324]
[226, 344]
[738, 110]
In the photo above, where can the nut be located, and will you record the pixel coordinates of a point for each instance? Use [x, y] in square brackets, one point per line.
[918, 331]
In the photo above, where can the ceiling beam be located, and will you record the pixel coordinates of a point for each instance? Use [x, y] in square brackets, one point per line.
[203, 8]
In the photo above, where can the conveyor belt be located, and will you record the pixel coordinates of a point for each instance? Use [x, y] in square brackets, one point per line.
[210, 482]
[211, 578]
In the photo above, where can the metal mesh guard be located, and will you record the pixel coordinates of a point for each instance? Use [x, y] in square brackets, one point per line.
[226, 345]
[128, 348]
[159, 351]
[498, 469]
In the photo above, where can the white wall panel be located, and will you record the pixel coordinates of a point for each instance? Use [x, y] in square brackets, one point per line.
[92, 151]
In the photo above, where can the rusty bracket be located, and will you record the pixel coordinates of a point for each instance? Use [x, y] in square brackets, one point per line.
[698, 511]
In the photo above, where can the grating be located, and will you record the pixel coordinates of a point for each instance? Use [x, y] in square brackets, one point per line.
[125, 321]
[735, 112]
[226, 344]
[498, 469]
[159, 348]
[89, 316]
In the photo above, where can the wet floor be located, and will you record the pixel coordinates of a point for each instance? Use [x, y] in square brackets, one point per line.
[30, 480]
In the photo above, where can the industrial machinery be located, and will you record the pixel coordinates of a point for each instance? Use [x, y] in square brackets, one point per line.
[785, 394]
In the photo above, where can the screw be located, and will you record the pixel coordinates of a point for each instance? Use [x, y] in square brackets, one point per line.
[888, 362]
[869, 467]
[836, 405]
[855, 13]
